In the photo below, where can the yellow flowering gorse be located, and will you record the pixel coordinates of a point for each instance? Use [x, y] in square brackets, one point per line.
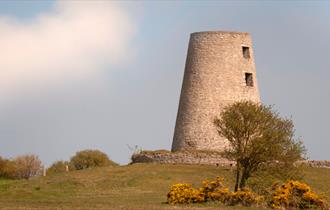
[294, 194]
[211, 191]
[184, 194]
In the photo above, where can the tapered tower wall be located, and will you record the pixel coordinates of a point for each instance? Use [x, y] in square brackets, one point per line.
[219, 70]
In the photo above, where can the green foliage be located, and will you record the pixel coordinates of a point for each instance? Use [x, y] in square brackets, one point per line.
[258, 137]
[90, 158]
[266, 176]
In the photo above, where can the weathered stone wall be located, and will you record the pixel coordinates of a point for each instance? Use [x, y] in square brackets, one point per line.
[317, 163]
[214, 77]
[181, 157]
[201, 158]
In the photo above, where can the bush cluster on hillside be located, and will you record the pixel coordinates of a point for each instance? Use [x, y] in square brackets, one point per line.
[26, 166]
[291, 195]
[82, 160]
[7, 168]
[59, 167]
[212, 191]
[294, 194]
[21, 167]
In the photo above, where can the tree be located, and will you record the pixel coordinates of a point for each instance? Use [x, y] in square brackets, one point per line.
[27, 166]
[257, 137]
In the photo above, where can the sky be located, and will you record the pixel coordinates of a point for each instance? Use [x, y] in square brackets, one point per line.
[107, 75]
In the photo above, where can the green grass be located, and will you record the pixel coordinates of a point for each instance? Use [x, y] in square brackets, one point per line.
[138, 186]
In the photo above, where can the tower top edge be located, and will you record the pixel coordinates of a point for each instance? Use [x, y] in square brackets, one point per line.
[220, 32]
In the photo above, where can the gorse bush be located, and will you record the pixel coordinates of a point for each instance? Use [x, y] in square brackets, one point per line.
[291, 195]
[184, 194]
[210, 187]
[294, 194]
[244, 197]
[216, 191]
[90, 158]
[213, 190]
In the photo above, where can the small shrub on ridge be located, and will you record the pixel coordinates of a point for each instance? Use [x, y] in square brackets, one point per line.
[90, 158]
[59, 167]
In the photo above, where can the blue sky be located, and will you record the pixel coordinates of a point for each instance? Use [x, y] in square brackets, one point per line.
[119, 81]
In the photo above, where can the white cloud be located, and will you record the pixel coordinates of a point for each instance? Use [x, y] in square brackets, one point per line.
[71, 42]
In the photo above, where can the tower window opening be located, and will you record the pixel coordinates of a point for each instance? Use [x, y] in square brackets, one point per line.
[246, 52]
[249, 79]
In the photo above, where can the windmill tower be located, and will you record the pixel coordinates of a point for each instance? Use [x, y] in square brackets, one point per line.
[219, 71]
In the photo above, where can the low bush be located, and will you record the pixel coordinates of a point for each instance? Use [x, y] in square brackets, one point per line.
[22, 167]
[244, 197]
[294, 194]
[184, 194]
[7, 169]
[291, 195]
[90, 158]
[59, 167]
[213, 190]
[209, 188]
[27, 166]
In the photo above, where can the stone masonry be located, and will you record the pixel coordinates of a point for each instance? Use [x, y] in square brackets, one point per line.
[219, 70]
[202, 158]
[181, 157]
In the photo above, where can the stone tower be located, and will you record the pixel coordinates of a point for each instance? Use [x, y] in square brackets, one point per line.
[219, 70]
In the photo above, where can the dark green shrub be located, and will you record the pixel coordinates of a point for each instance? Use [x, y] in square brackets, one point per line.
[90, 158]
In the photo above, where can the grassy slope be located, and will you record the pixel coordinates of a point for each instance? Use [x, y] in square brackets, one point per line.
[138, 186]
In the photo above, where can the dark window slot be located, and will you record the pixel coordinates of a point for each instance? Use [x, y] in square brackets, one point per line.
[246, 52]
[249, 79]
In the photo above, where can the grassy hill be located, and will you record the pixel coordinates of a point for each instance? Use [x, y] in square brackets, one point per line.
[138, 186]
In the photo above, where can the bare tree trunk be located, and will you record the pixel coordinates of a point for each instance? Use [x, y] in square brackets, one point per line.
[245, 176]
[237, 175]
